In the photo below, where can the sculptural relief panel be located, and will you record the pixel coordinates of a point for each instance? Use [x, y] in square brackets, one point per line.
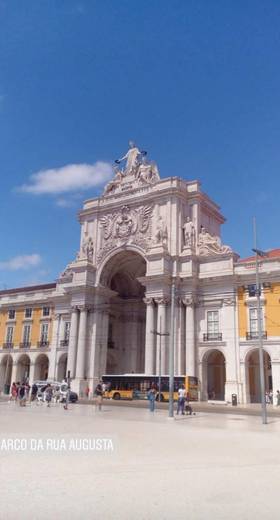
[126, 226]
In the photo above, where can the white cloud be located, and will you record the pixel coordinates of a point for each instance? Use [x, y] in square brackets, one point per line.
[21, 262]
[68, 178]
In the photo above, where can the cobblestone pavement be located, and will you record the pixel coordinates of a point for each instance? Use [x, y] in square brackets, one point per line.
[124, 463]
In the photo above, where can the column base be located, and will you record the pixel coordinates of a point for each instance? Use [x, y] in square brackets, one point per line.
[79, 386]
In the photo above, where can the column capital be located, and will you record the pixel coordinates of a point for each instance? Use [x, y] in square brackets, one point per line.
[162, 300]
[74, 308]
[83, 307]
[188, 301]
[148, 300]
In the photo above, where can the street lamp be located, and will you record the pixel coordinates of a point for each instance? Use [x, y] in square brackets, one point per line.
[171, 353]
[259, 253]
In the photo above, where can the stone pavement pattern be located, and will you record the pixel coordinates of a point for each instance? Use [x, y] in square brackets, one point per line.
[210, 466]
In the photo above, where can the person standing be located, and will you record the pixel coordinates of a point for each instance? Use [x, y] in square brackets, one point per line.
[99, 396]
[181, 400]
[278, 398]
[152, 398]
[67, 397]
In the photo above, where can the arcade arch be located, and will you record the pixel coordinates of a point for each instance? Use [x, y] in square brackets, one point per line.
[62, 367]
[41, 368]
[253, 375]
[214, 375]
[23, 368]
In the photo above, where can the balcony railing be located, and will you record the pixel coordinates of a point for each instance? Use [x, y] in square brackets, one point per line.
[64, 342]
[43, 343]
[213, 336]
[255, 335]
[8, 344]
[25, 344]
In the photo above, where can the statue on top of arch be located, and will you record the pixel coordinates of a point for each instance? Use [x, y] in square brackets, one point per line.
[137, 171]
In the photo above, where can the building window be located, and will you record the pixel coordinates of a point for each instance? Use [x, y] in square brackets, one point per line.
[44, 332]
[26, 334]
[46, 311]
[253, 317]
[9, 335]
[66, 330]
[212, 327]
[212, 322]
[11, 314]
[28, 313]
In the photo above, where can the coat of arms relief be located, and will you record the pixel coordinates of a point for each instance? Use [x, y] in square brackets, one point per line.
[127, 226]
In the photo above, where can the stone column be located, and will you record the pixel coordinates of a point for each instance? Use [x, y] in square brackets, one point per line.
[54, 346]
[31, 373]
[72, 352]
[161, 353]
[190, 339]
[150, 337]
[104, 342]
[14, 372]
[81, 350]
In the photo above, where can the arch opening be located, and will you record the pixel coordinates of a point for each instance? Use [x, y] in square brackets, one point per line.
[253, 375]
[216, 375]
[41, 368]
[123, 325]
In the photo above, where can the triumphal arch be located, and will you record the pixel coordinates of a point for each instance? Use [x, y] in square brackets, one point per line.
[142, 233]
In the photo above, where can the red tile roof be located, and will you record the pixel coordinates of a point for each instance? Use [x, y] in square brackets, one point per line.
[274, 253]
[29, 289]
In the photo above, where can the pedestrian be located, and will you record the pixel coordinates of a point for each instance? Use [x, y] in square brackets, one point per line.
[271, 397]
[14, 391]
[87, 391]
[67, 398]
[99, 396]
[152, 398]
[34, 392]
[181, 400]
[278, 398]
[267, 399]
[48, 395]
[22, 394]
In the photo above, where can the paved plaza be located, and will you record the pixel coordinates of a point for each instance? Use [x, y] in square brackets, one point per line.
[125, 463]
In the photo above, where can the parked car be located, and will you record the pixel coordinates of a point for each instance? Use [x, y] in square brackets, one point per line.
[59, 389]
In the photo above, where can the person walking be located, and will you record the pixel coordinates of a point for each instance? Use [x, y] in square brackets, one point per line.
[34, 392]
[22, 395]
[277, 398]
[152, 398]
[48, 395]
[14, 392]
[99, 396]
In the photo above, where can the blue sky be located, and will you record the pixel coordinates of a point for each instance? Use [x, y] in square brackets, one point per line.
[196, 83]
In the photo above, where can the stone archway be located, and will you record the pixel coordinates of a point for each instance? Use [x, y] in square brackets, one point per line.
[6, 366]
[41, 368]
[62, 367]
[23, 368]
[253, 375]
[215, 375]
[123, 325]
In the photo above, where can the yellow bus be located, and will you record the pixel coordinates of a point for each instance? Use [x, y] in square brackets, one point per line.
[136, 386]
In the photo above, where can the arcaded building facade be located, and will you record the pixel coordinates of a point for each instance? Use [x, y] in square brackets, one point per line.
[102, 313]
